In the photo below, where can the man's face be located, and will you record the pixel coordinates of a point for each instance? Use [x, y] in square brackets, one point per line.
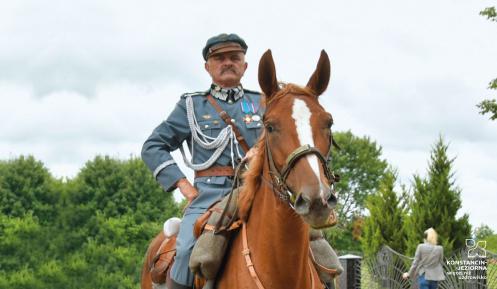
[226, 69]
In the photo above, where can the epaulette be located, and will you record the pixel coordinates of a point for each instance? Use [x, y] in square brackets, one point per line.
[198, 93]
[251, 91]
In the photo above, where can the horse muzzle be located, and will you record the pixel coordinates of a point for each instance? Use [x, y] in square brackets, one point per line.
[318, 211]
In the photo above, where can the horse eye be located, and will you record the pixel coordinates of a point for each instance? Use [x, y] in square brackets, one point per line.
[269, 128]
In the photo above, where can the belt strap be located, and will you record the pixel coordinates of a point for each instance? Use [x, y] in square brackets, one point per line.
[250, 264]
[227, 119]
[216, 171]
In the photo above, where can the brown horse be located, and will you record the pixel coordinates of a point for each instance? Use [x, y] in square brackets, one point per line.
[277, 222]
[287, 188]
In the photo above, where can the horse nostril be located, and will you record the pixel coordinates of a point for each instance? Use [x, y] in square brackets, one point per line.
[332, 201]
[302, 205]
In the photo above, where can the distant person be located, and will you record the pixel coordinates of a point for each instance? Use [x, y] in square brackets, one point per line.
[428, 260]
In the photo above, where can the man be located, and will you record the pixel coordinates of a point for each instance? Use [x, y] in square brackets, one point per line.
[216, 148]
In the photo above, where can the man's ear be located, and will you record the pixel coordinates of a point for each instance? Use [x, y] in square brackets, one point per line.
[206, 66]
[245, 68]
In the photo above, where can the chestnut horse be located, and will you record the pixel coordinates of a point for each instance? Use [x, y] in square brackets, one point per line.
[286, 189]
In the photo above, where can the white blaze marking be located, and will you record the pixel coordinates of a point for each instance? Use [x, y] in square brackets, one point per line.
[302, 116]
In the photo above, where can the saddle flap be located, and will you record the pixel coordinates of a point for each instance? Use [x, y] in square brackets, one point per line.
[163, 260]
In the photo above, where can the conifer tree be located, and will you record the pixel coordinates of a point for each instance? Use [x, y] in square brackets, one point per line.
[435, 203]
[384, 225]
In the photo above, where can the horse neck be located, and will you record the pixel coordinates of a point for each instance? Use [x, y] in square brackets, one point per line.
[278, 238]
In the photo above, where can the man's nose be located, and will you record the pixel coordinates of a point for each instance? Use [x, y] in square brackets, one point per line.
[227, 61]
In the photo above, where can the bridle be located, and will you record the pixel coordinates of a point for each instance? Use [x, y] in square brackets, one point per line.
[279, 177]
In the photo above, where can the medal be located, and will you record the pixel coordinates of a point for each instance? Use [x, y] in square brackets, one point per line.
[256, 117]
[248, 107]
[245, 106]
[254, 108]
[247, 119]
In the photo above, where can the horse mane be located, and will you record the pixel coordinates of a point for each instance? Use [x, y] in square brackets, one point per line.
[291, 88]
[253, 176]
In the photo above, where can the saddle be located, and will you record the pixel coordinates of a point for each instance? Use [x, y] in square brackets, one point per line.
[162, 262]
[210, 248]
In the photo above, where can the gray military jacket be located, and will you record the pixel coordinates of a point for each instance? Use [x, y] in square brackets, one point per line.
[428, 260]
[172, 132]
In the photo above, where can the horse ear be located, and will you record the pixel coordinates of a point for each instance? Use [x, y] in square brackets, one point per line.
[267, 75]
[321, 76]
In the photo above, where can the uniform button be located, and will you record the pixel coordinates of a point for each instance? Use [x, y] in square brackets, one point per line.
[206, 126]
[259, 124]
[208, 180]
[232, 120]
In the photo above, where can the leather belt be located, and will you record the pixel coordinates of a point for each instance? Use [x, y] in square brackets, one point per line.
[216, 171]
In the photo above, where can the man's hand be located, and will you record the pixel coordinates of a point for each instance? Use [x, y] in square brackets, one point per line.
[405, 276]
[187, 190]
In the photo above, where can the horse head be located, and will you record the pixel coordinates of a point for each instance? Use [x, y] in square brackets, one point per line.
[297, 139]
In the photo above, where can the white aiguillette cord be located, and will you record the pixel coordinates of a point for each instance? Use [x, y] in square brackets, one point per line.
[218, 143]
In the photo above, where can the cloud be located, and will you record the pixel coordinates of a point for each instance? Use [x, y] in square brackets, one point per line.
[82, 78]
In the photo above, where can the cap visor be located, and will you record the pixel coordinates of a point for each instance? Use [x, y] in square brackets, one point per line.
[225, 50]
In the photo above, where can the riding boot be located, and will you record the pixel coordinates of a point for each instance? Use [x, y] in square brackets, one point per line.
[329, 285]
[175, 285]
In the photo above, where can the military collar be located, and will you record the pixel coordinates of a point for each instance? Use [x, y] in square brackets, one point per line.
[230, 95]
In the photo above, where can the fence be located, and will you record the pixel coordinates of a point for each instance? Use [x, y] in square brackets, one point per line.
[462, 271]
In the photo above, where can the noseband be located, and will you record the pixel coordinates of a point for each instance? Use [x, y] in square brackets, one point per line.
[279, 178]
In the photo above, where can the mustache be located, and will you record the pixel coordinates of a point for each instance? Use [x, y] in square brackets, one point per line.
[228, 69]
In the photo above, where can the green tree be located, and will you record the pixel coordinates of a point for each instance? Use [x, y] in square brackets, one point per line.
[491, 243]
[361, 167]
[490, 13]
[489, 105]
[27, 186]
[482, 232]
[112, 209]
[89, 232]
[384, 225]
[107, 188]
[435, 203]
[22, 242]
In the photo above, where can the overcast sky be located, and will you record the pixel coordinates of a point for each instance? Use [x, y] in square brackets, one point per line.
[81, 78]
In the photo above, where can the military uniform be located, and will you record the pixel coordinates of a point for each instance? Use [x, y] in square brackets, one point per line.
[244, 107]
